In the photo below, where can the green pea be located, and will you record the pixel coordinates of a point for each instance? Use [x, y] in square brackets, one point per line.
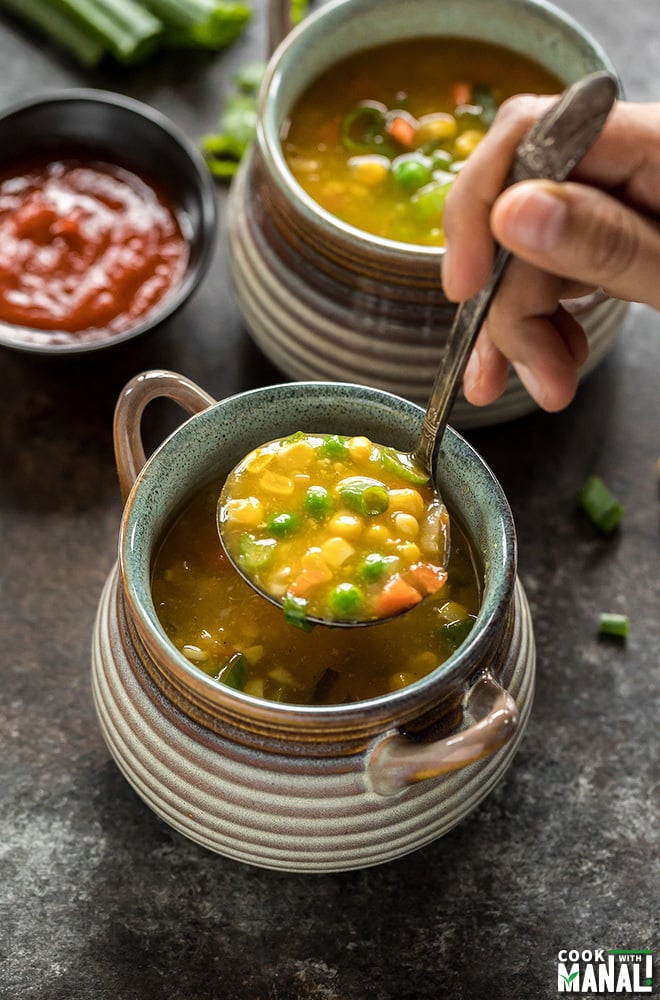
[346, 600]
[411, 172]
[334, 447]
[318, 502]
[372, 567]
[282, 524]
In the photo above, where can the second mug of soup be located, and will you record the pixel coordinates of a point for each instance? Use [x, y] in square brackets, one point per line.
[367, 112]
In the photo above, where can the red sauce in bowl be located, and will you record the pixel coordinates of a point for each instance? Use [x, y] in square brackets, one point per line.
[84, 245]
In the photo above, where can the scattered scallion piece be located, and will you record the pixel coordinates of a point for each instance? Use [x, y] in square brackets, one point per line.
[610, 623]
[600, 505]
[224, 150]
[235, 673]
[125, 28]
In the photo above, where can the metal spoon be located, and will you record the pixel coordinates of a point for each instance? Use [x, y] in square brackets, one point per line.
[550, 149]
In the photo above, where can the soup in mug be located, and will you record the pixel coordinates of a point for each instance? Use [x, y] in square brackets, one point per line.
[231, 633]
[377, 139]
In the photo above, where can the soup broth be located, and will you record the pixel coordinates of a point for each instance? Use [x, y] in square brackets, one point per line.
[378, 139]
[232, 634]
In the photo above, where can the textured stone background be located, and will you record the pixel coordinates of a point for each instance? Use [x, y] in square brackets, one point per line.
[99, 900]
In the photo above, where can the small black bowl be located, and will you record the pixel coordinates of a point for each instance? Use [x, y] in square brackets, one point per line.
[131, 135]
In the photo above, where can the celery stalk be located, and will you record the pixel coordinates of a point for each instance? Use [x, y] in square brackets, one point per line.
[59, 26]
[125, 27]
[211, 24]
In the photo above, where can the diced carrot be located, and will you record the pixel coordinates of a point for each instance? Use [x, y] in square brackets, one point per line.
[402, 130]
[306, 580]
[428, 576]
[461, 92]
[397, 595]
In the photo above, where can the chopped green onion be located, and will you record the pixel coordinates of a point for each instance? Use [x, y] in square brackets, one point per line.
[295, 612]
[430, 200]
[363, 128]
[399, 463]
[610, 623]
[456, 632]
[235, 673]
[255, 554]
[364, 495]
[600, 505]
[224, 150]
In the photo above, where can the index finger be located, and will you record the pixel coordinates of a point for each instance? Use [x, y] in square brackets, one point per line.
[469, 250]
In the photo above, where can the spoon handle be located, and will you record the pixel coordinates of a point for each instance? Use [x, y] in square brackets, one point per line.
[550, 149]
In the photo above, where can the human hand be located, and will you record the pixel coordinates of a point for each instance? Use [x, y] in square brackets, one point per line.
[600, 229]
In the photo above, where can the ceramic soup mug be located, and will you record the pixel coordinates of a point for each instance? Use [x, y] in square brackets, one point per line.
[326, 300]
[303, 788]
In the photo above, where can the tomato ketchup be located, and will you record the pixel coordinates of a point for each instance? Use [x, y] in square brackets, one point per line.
[84, 245]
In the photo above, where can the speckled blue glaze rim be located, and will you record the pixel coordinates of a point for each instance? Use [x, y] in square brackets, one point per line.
[537, 28]
[209, 444]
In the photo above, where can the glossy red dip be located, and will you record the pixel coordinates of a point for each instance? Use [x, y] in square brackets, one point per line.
[84, 245]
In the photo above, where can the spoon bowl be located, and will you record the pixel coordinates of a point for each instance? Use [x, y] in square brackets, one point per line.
[550, 149]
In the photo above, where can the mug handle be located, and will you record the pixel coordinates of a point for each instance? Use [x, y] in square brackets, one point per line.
[127, 427]
[396, 762]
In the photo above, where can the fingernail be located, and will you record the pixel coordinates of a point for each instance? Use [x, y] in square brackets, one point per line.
[539, 221]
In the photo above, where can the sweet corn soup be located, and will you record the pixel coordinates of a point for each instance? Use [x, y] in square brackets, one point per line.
[335, 528]
[229, 632]
[378, 139]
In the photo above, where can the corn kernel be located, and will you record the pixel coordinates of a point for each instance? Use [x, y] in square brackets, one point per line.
[336, 551]
[346, 526]
[437, 127]
[282, 675]
[406, 526]
[274, 482]
[258, 463]
[255, 687]
[360, 448]
[253, 654]
[409, 552]
[295, 457]
[407, 501]
[400, 680]
[377, 535]
[248, 512]
[422, 663]
[467, 142]
[370, 170]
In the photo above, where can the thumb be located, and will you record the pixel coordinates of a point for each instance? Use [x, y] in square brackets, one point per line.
[581, 233]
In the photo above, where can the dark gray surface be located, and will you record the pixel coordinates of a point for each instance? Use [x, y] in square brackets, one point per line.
[99, 899]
